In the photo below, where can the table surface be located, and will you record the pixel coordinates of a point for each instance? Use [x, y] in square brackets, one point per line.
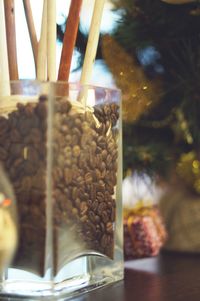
[168, 277]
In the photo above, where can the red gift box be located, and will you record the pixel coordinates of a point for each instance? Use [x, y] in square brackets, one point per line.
[144, 232]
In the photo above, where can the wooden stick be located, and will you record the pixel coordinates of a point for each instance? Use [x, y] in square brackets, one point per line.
[4, 70]
[92, 42]
[11, 38]
[42, 47]
[51, 40]
[69, 39]
[31, 28]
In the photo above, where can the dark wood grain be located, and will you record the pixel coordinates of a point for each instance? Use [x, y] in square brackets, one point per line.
[169, 277]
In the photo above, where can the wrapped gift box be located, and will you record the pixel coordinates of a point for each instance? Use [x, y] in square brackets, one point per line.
[144, 232]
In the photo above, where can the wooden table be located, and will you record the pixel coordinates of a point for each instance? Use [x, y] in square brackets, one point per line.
[168, 277]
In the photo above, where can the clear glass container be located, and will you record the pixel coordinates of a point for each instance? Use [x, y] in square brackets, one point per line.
[62, 149]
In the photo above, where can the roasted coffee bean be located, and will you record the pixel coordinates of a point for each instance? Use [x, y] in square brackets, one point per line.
[107, 110]
[101, 142]
[89, 202]
[78, 123]
[92, 216]
[93, 191]
[109, 161]
[77, 202]
[15, 136]
[95, 205]
[16, 150]
[75, 131]
[104, 240]
[64, 106]
[104, 216]
[35, 136]
[75, 212]
[83, 208]
[76, 151]
[3, 154]
[68, 139]
[41, 109]
[97, 219]
[100, 196]
[110, 188]
[88, 178]
[84, 218]
[67, 176]
[4, 125]
[102, 167]
[101, 207]
[109, 227]
[75, 193]
[75, 140]
[104, 154]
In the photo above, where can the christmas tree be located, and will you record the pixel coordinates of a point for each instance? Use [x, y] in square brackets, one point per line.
[157, 49]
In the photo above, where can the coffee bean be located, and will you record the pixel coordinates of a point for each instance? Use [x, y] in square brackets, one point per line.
[101, 207]
[41, 109]
[93, 191]
[84, 218]
[76, 151]
[109, 160]
[95, 205]
[101, 142]
[100, 196]
[4, 125]
[67, 176]
[105, 217]
[109, 227]
[3, 154]
[64, 129]
[83, 208]
[92, 216]
[78, 123]
[15, 136]
[64, 106]
[97, 174]
[77, 202]
[104, 240]
[88, 178]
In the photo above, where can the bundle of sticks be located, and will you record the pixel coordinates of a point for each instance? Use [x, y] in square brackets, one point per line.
[44, 50]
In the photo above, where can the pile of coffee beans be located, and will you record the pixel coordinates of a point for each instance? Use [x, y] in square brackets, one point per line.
[84, 174]
[85, 167]
[23, 154]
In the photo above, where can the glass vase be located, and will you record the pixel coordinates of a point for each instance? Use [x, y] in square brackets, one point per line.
[61, 147]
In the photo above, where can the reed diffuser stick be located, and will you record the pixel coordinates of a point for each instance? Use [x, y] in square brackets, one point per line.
[4, 70]
[51, 40]
[11, 38]
[42, 46]
[92, 42]
[31, 28]
[69, 39]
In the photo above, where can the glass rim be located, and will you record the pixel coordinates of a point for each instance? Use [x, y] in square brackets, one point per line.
[72, 85]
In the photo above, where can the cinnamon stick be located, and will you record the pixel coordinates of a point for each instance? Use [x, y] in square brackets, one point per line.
[31, 28]
[11, 38]
[69, 39]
